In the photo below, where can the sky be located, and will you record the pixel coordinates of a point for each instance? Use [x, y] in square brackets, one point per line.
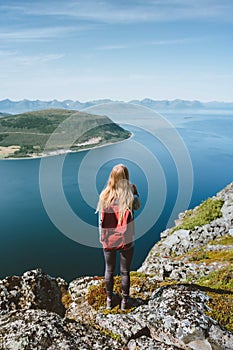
[122, 50]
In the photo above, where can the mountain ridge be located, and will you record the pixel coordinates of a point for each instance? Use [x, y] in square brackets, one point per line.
[20, 106]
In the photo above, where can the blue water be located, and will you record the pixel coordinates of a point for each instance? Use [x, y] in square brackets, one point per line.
[29, 239]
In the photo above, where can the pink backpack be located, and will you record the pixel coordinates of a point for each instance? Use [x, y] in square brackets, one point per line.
[115, 235]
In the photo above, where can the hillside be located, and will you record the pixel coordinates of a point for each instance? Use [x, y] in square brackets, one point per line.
[181, 297]
[26, 135]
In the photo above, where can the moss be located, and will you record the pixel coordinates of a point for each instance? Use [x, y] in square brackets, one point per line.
[107, 332]
[140, 289]
[221, 309]
[220, 279]
[211, 256]
[96, 296]
[221, 301]
[66, 299]
[208, 211]
[225, 240]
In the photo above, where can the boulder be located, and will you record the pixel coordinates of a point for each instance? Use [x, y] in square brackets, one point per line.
[33, 290]
[175, 318]
[40, 330]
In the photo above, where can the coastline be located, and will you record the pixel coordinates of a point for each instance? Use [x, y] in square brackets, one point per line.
[63, 151]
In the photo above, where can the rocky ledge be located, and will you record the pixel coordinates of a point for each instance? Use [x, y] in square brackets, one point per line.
[181, 298]
[193, 253]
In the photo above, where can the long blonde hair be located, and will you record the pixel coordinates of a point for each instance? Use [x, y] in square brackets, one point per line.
[118, 188]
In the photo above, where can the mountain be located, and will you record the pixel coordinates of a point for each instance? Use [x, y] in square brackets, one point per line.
[9, 106]
[167, 105]
[4, 114]
[181, 297]
[27, 134]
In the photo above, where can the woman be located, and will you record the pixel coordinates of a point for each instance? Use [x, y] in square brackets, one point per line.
[116, 205]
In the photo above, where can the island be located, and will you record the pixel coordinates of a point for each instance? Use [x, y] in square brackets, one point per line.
[27, 134]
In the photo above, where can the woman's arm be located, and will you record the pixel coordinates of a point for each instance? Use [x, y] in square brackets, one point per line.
[136, 200]
[100, 226]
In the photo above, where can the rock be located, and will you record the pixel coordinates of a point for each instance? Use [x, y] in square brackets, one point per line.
[149, 344]
[222, 339]
[39, 329]
[125, 326]
[81, 312]
[175, 316]
[172, 317]
[33, 290]
[165, 233]
[165, 253]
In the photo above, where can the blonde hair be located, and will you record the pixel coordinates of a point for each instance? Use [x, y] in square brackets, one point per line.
[118, 188]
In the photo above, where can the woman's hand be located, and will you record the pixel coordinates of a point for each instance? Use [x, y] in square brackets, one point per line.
[136, 200]
[134, 189]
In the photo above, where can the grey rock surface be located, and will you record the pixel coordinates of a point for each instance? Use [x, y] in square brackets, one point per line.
[33, 290]
[175, 316]
[40, 330]
[163, 260]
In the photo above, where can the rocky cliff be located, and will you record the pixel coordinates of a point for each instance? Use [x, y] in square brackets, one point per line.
[181, 297]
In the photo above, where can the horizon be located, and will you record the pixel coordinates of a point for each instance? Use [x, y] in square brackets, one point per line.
[111, 100]
[114, 50]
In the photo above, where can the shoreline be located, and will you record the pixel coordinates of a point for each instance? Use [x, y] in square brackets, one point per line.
[63, 151]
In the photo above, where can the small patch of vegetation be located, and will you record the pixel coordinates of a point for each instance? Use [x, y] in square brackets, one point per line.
[66, 299]
[221, 309]
[208, 211]
[225, 240]
[96, 295]
[3, 136]
[220, 279]
[139, 286]
[221, 302]
[41, 124]
[107, 332]
[208, 257]
[24, 151]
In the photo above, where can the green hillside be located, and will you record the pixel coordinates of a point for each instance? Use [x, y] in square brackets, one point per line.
[26, 135]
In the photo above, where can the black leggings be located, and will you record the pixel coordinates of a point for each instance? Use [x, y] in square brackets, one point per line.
[110, 265]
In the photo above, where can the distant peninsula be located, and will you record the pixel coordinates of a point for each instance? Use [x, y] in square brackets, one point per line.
[27, 134]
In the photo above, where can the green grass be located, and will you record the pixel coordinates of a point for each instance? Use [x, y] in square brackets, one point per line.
[220, 279]
[225, 240]
[201, 255]
[208, 211]
[221, 302]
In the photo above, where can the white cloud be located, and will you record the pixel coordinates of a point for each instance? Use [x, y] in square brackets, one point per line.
[137, 11]
[13, 57]
[30, 60]
[150, 43]
[36, 33]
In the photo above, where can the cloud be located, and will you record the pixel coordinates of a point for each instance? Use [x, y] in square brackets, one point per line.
[111, 11]
[14, 57]
[149, 43]
[115, 47]
[30, 60]
[32, 34]
[7, 53]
